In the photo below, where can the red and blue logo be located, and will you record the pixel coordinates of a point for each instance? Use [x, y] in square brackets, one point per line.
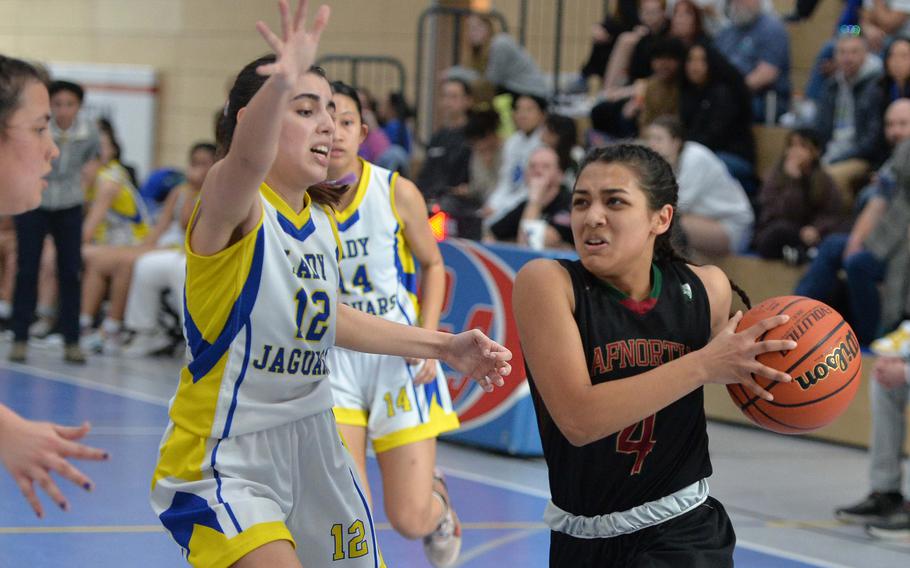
[479, 295]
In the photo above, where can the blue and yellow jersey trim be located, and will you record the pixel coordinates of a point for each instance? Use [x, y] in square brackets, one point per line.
[351, 213]
[404, 260]
[219, 295]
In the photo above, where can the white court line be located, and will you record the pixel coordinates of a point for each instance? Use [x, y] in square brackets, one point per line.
[471, 554]
[86, 383]
[494, 482]
[468, 475]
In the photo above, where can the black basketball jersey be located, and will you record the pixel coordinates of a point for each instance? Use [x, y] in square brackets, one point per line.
[621, 338]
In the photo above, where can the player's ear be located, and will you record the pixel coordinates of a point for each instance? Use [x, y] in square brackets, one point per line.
[661, 219]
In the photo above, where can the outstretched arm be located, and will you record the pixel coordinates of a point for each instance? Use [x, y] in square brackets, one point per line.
[229, 207]
[471, 352]
[32, 450]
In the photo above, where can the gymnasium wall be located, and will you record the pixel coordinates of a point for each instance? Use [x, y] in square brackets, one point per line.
[198, 45]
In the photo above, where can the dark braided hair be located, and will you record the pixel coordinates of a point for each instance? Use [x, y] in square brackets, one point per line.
[246, 85]
[657, 181]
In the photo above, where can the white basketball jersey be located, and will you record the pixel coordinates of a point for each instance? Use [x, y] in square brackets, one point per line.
[260, 318]
[378, 274]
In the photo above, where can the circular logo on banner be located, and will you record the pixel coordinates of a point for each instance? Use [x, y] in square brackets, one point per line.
[479, 295]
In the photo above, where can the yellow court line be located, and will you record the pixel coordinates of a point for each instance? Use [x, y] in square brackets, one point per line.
[513, 525]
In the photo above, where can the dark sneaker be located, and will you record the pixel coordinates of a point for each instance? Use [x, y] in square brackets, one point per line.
[18, 352]
[895, 528]
[875, 508]
[74, 354]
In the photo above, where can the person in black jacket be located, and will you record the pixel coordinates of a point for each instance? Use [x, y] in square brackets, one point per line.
[715, 110]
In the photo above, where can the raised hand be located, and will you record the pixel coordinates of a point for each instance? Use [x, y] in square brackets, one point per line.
[31, 450]
[295, 51]
[475, 355]
[730, 356]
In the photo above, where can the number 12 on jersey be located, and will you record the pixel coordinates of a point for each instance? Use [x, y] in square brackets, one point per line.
[319, 321]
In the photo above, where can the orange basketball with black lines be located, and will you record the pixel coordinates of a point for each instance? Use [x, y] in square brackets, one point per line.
[826, 367]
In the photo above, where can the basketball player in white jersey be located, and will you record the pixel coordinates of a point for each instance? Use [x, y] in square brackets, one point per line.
[400, 405]
[32, 450]
[252, 471]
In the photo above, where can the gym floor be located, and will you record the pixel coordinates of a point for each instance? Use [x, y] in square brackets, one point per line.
[780, 491]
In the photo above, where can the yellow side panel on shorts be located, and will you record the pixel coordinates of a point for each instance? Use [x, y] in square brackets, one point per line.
[211, 549]
[350, 416]
[182, 454]
[440, 421]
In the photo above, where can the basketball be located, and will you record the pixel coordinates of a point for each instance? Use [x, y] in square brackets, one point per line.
[826, 367]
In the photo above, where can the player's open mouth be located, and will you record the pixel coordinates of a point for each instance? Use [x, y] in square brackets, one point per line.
[322, 150]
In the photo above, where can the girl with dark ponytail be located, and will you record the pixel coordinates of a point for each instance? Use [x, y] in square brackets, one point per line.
[618, 346]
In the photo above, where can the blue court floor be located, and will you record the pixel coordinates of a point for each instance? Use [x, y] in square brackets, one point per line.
[500, 500]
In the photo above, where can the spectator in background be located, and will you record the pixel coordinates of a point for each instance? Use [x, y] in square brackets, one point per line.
[882, 19]
[714, 212]
[528, 113]
[712, 14]
[561, 134]
[885, 512]
[896, 80]
[466, 200]
[757, 44]
[631, 57]
[603, 38]
[376, 147]
[849, 115]
[394, 114]
[850, 252]
[715, 107]
[497, 63]
[60, 214]
[448, 154]
[659, 94]
[548, 200]
[687, 23]
[630, 61]
[149, 274]
[117, 221]
[799, 202]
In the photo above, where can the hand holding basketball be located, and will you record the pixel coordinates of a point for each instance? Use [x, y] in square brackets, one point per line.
[296, 49]
[731, 355]
[824, 361]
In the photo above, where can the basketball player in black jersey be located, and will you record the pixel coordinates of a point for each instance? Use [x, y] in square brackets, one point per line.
[620, 344]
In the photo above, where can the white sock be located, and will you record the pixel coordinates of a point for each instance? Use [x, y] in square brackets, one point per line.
[110, 326]
[85, 321]
[6, 310]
